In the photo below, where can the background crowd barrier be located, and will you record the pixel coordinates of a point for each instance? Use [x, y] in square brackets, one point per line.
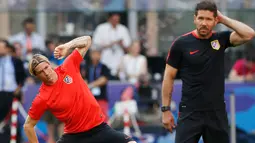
[243, 103]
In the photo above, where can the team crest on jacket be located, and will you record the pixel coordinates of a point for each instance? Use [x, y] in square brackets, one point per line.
[68, 79]
[215, 44]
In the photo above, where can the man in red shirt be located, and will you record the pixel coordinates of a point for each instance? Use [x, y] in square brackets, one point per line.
[244, 69]
[65, 94]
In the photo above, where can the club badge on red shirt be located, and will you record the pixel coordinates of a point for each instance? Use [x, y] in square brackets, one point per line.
[68, 79]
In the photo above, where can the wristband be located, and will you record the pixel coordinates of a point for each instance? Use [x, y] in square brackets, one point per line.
[165, 108]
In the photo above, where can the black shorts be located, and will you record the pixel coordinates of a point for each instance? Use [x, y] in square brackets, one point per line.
[211, 125]
[99, 134]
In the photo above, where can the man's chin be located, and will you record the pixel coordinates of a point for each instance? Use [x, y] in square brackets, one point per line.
[203, 34]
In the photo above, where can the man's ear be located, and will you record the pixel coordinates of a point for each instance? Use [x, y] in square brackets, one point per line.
[194, 19]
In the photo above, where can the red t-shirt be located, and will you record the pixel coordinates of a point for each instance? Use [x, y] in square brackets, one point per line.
[69, 99]
[242, 69]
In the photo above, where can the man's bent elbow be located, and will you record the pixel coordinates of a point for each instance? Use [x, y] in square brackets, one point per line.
[89, 38]
[27, 126]
[89, 41]
[250, 35]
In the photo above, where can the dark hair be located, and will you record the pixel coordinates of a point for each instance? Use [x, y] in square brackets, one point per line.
[27, 21]
[7, 44]
[47, 42]
[206, 5]
[12, 48]
[112, 13]
[249, 52]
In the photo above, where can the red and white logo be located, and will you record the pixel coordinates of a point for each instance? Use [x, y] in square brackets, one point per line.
[68, 79]
[215, 44]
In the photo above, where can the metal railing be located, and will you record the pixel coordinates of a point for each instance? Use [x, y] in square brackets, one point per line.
[232, 118]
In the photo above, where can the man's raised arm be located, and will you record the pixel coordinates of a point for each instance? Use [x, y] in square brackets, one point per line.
[242, 32]
[82, 45]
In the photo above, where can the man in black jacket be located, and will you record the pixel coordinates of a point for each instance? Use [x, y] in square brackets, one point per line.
[12, 77]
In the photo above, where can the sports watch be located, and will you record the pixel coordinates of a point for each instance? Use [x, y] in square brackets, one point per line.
[165, 108]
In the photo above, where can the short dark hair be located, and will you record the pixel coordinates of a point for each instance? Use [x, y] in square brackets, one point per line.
[47, 42]
[110, 14]
[206, 5]
[28, 20]
[12, 48]
[249, 52]
[7, 44]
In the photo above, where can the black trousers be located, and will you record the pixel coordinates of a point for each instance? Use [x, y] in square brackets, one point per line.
[211, 125]
[5, 104]
[99, 134]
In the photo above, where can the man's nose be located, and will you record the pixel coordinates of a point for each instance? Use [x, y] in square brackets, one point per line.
[203, 22]
[45, 72]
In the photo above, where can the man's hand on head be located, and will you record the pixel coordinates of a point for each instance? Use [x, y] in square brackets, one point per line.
[220, 17]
